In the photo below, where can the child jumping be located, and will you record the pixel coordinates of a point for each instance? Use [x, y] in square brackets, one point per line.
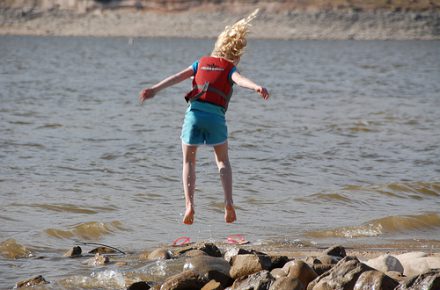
[205, 121]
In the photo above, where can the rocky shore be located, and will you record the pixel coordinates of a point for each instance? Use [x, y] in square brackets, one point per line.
[210, 266]
[193, 19]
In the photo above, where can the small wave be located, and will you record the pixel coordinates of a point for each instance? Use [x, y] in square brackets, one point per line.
[401, 189]
[65, 208]
[382, 226]
[86, 231]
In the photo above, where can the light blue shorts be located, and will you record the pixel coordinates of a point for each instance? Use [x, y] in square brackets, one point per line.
[200, 127]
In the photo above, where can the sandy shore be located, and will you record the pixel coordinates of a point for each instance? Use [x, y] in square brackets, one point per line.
[207, 23]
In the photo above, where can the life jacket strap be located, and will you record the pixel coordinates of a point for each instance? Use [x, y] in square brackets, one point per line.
[206, 87]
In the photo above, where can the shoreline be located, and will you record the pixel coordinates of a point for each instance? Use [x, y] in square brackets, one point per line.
[199, 23]
[231, 265]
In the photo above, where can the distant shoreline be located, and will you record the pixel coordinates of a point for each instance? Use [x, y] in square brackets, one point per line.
[197, 23]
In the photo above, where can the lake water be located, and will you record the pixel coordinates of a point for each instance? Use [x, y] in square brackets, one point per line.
[345, 151]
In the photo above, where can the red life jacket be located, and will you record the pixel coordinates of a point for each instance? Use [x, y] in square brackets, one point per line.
[211, 82]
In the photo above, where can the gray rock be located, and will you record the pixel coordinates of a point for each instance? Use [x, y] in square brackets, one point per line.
[374, 280]
[342, 276]
[243, 265]
[258, 281]
[426, 281]
[287, 283]
[184, 281]
[98, 260]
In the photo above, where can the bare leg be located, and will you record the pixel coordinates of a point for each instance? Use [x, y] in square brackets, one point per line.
[224, 167]
[189, 181]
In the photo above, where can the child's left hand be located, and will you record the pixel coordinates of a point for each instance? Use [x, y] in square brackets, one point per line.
[146, 94]
[263, 92]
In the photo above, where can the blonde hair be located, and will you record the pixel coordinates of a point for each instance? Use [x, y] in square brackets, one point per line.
[231, 42]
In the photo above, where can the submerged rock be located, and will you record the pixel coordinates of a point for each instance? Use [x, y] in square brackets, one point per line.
[160, 254]
[34, 281]
[427, 281]
[210, 268]
[103, 250]
[10, 249]
[98, 260]
[73, 252]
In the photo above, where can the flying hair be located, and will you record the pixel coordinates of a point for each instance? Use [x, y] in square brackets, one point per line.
[231, 42]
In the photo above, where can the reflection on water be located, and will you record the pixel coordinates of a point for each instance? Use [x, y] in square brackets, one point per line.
[351, 134]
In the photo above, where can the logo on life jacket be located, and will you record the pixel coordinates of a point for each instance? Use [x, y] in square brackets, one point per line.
[212, 67]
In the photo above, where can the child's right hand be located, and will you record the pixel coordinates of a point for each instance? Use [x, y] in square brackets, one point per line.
[146, 94]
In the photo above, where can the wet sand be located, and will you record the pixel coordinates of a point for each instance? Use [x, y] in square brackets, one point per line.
[207, 23]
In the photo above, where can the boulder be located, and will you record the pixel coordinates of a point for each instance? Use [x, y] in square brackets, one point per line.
[160, 254]
[210, 268]
[258, 281]
[243, 265]
[184, 281]
[385, 263]
[287, 283]
[34, 281]
[195, 253]
[416, 263]
[374, 280]
[73, 252]
[428, 281]
[300, 270]
[336, 251]
[10, 249]
[342, 276]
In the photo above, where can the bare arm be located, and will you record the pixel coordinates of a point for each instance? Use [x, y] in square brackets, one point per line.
[148, 93]
[247, 83]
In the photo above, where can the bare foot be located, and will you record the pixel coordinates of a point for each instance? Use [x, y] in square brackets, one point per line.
[188, 219]
[230, 216]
